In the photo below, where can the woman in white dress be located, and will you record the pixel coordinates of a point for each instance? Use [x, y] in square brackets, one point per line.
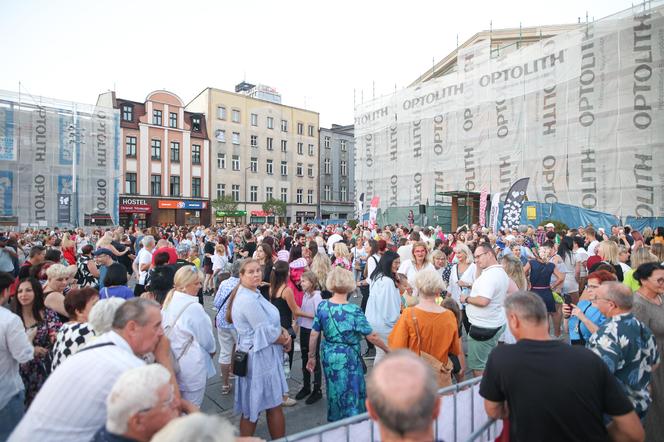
[462, 273]
[189, 329]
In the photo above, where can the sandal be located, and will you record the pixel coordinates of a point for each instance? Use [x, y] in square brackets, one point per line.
[225, 389]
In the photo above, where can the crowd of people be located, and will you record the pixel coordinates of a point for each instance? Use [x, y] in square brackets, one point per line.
[104, 335]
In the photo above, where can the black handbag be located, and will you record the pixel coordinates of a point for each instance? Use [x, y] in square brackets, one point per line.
[481, 333]
[241, 362]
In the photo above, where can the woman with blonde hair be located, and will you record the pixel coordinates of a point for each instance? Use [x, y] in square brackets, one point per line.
[342, 256]
[641, 256]
[419, 261]
[462, 273]
[607, 252]
[189, 330]
[321, 266]
[68, 247]
[105, 242]
[657, 249]
[429, 330]
[57, 280]
[517, 281]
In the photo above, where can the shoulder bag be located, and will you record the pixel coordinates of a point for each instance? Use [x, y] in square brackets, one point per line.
[442, 371]
[168, 330]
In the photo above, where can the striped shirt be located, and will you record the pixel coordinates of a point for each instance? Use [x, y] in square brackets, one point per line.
[71, 406]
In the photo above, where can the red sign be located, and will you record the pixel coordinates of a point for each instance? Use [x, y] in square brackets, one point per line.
[260, 213]
[135, 208]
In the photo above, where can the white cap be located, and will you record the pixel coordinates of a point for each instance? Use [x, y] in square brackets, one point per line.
[550, 225]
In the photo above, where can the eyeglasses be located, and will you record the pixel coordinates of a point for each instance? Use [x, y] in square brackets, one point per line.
[597, 299]
[478, 256]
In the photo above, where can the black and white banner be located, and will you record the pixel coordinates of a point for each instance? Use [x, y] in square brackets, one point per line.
[579, 113]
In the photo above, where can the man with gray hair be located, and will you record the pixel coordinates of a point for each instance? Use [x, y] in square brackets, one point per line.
[225, 331]
[625, 344]
[141, 402]
[402, 397]
[549, 390]
[71, 404]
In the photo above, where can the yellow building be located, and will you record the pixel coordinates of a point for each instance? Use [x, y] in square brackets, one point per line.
[261, 149]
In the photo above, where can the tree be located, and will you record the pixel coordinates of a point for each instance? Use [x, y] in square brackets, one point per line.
[276, 207]
[225, 203]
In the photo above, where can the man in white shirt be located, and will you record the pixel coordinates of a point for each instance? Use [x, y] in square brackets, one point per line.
[142, 263]
[71, 405]
[333, 239]
[484, 308]
[591, 240]
[15, 349]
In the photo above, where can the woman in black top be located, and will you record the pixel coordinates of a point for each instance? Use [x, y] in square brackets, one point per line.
[264, 257]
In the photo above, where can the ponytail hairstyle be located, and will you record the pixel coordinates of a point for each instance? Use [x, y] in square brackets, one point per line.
[187, 274]
[243, 267]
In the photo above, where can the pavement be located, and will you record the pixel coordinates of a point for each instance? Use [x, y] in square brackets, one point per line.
[299, 417]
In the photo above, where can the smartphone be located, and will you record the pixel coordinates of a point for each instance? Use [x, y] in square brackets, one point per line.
[568, 301]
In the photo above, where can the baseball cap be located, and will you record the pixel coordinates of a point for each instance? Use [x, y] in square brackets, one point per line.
[102, 251]
[549, 225]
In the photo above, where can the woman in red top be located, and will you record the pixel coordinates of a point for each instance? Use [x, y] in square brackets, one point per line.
[68, 247]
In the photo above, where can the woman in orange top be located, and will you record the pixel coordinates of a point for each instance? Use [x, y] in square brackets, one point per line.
[439, 335]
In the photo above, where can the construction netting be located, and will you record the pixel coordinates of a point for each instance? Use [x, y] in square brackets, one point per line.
[580, 113]
[59, 162]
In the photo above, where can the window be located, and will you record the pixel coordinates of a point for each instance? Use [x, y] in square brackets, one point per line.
[268, 193]
[300, 148]
[236, 137]
[343, 194]
[236, 162]
[327, 167]
[130, 147]
[127, 112]
[342, 144]
[284, 126]
[221, 190]
[155, 185]
[173, 120]
[300, 169]
[130, 183]
[156, 117]
[268, 167]
[270, 123]
[298, 196]
[311, 150]
[284, 145]
[310, 196]
[344, 168]
[300, 128]
[195, 154]
[254, 141]
[310, 130]
[326, 142]
[156, 149]
[328, 193]
[254, 120]
[196, 123]
[253, 194]
[175, 186]
[253, 163]
[284, 194]
[284, 168]
[268, 143]
[235, 192]
[221, 112]
[310, 170]
[221, 161]
[175, 152]
[220, 135]
[235, 116]
[196, 187]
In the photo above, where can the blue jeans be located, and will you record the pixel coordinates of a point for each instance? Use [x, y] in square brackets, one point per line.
[11, 415]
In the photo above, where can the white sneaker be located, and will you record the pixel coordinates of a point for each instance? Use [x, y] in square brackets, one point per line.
[288, 402]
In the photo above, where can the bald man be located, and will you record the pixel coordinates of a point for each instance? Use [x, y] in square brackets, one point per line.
[402, 398]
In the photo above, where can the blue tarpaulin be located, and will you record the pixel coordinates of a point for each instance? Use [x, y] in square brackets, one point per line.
[641, 223]
[573, 216]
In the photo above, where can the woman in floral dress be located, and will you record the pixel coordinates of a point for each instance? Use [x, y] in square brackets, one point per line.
[44, 323]
[344, 327]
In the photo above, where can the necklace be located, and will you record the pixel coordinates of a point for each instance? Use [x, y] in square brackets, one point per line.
[653, 299]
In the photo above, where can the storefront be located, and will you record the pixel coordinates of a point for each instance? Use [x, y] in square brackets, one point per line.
[261, 217]
[302, 217]
[135, 212]
[230, 216]
[182, 212]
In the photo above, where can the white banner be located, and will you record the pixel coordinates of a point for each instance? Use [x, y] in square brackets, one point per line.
[579, 113]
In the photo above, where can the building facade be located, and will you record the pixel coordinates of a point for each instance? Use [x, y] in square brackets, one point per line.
[261, 150]
[164, 162]
[337, 172]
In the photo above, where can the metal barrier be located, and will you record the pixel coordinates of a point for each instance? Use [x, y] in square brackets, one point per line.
[458, 397]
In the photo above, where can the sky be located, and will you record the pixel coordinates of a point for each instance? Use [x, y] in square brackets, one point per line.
[322, 56]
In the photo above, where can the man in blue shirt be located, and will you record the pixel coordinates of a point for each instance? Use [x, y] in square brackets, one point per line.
[625, 344]
[103, 258]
